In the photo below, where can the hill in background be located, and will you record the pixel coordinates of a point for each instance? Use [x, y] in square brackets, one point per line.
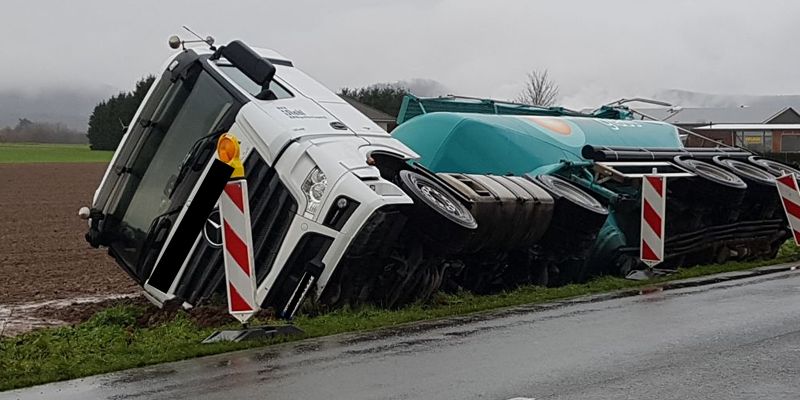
[688, 98]
[66, 106]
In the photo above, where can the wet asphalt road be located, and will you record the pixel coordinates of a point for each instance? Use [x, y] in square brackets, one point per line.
[736, 340]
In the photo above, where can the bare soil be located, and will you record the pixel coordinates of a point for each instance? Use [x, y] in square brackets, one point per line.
[43, 255]
[49, 275]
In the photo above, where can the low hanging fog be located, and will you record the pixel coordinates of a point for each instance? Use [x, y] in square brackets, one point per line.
[61, 58]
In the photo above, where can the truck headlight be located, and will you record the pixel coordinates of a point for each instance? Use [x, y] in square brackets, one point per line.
[314, 189]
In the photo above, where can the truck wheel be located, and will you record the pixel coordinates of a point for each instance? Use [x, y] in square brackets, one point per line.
[747, 171]
[565, 189]
[581, 211]
[773, 167]
[711, 172]
[432, 194]
[436, 215]
[576, 222]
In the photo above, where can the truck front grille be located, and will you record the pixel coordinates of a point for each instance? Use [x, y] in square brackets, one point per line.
[272, 209]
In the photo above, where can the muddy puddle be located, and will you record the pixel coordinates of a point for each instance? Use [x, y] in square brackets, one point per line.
[21, 318]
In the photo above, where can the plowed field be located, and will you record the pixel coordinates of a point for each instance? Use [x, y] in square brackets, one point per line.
[43, 255]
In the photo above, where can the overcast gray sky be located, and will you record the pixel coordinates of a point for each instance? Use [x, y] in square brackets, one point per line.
[595, 50]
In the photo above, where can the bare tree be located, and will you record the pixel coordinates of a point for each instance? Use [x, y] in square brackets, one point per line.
[539, 89]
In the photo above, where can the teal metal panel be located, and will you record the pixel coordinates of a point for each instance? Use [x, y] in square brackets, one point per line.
[501, 144]
[413, 106]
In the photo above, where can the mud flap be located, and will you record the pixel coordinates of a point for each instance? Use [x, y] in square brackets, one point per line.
[297, 277]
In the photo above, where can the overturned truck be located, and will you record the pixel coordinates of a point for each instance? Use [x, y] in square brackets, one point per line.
[455, 199]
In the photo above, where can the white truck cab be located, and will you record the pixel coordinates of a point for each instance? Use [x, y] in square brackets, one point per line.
[309, 161]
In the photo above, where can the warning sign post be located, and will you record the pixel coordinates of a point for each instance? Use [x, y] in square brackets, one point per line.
[790, 198]
[654, 201]
[237, 248]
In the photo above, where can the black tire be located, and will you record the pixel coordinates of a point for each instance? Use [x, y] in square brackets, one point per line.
[774, 167]
[437, 198]
[761, 201]
[747, 171]
[444, 224]
[573, 203]
[575, 195]
[711, 172]
[577, 219]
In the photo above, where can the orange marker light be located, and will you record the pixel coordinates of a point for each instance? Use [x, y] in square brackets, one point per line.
[227, 149]
[228, 152]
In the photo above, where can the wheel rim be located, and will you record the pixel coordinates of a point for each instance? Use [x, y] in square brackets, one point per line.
[711, 172]
[774, 167]
[434, 195]
[572, 193]
[437, 198]
[748, 171]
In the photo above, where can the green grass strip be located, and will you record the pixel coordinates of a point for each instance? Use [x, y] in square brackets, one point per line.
[18, 153]
[110, 341]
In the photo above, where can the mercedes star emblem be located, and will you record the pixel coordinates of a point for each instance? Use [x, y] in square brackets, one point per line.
[211, 230]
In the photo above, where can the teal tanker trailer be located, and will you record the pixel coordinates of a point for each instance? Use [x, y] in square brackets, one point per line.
[721, 203]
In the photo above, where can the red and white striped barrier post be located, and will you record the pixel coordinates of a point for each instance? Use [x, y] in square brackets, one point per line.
[790, 198]
[237, 236]
[654, 204]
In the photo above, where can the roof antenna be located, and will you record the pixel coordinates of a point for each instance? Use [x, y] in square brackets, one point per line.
[175, 41]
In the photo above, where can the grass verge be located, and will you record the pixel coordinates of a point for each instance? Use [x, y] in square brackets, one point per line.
[113, 340]
[15, 153]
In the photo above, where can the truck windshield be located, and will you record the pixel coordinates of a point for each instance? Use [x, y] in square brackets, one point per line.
[190, 109]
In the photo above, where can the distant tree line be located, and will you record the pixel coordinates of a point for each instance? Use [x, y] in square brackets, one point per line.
[41, 132]
[109, 118]
[539, 89]
[386, 97]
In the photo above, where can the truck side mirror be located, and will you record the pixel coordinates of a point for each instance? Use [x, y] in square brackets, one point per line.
[257, 68]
